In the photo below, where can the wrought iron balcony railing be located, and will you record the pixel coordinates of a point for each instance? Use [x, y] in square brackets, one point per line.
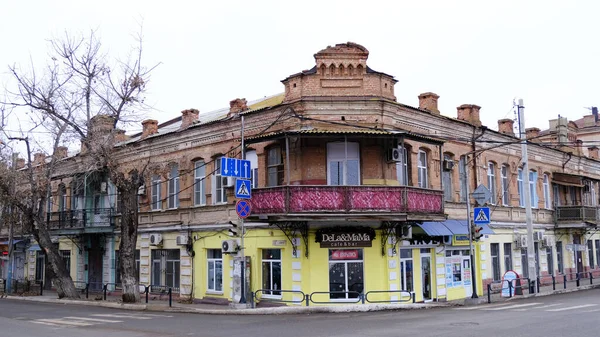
[82, 218]
[577, 213]
[346, 199]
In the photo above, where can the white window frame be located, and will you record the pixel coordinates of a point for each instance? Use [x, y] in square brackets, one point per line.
[533, 188]
[253, 158]
[491, 175]
[402, 166]
[343, 152]
[422, 169]
[547, 200]
[270, 263]
[199, 183]
[155, 184]
[520, 187]
[218, 178]
[214, 261]
[504, 172]
[345, 263]
[173, 188]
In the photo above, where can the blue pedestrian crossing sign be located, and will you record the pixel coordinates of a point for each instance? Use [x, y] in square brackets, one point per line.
[481, 215]
[243, 189]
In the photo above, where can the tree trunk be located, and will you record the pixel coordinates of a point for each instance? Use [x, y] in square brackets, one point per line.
[129, 224]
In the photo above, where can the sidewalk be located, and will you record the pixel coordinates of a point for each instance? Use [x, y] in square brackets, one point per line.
[159, 305]
[546, 289]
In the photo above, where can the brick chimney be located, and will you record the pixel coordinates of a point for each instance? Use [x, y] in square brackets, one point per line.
[237, 105]
[469, 113]
[579, 145]
[20, 163]
[189, 117]
[120, 136]
[149, 127]
[39, 158]
[593, 152]
[429, 101]
[532, 133]
[506, 126]
[61, 152]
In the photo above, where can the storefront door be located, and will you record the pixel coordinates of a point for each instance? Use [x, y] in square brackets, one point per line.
[406, 270]
[426, 281]
[578, 255]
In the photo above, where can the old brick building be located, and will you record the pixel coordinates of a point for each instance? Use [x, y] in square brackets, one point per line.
[353, 192]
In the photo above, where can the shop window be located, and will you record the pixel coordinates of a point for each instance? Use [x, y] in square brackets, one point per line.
[274, 167]
[165, 268]
[156, 201]
[402, 166]
[66, 256]
[508, 265]
[559, 257]
[271, 272]
[343, 163]
[504, 172]
[550, 260]
[491, 175]
[422, 169]
[199, 183]
[219, 183]
[346, 278]
[215, 270]
[173, 201]
[495, 251]
[253, 158]
[406, 270]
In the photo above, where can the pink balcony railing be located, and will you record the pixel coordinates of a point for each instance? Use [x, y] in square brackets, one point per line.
[346, 199]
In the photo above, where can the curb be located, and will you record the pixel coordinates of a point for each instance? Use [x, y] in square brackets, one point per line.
[257, 311]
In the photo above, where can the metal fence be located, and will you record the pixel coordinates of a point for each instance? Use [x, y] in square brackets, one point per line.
[330, 297]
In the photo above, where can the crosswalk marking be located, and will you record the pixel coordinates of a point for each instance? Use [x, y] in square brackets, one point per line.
[99, 320]
[45, 323]
[511, 306]
[547, 306]
[156, 315]
[479, 308]
[61, 322]
[574, 307]
[121, 316]
[593, 310]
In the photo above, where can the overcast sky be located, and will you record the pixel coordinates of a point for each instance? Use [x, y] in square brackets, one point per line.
[546, 52]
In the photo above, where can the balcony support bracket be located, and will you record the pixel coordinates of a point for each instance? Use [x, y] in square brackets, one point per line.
[291, 229]
[390, 229]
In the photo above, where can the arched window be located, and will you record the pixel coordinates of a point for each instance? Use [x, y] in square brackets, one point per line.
[155, 186]
[533, 188]
[546, 184]
[173, 201]
[62, 198]
[504, 172]
[462, 176]
[520, 188]
[448, 165]
[199, 183]
[402, 166]
[491, 174]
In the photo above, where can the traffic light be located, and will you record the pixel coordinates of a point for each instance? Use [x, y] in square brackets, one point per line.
[476, 233]
[233, 231]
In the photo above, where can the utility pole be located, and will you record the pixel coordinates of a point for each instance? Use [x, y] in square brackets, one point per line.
[243, 274]
[527, 195]
[470, 221]
[9, 266]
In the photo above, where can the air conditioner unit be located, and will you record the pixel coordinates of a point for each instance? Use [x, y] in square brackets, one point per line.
[521, 241]
[448, 164]
[548, 241]
[229, 182]
[404, 232]
[155, 239]
[142, 190]
[538, 236]
[393, 155]
[182, 240]
[229, 246]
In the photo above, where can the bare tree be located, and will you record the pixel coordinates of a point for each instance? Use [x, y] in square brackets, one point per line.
[78, 85]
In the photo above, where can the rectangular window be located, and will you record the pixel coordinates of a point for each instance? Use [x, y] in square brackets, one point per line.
[271, 272]
[40, 265]
[219, 192]
[155, 189]
[546, 185]
[462, 175]
[550, 260]
[346, 275]
[508, 256]
[402, 167]
[504, 172]
[118, 266]
[590, 245]
[66, 256]
[520, 188]
[559, 257]
[253, 158]
[524, 263]
[274, 167]
[597, 242]
[422, 169]
[174, 187]
[165, 268]
[447, 180]
[200, 183]
[533, 189]
[215, 270]
[491, 175]
[406, 270]
[343, 162]
[495, 251]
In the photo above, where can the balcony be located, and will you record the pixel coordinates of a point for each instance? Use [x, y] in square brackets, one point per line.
[78, 221]
[414, 203]
[577, 213]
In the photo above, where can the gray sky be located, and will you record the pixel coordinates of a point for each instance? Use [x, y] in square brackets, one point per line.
[545, 52]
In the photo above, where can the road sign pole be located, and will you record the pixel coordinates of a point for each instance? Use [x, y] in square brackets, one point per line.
[242, 250]
[471, 252]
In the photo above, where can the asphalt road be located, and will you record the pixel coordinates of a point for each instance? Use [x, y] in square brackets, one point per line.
[573, 314]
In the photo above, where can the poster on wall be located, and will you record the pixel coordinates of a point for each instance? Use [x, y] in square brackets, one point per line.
[454, 275]
[466, 273]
